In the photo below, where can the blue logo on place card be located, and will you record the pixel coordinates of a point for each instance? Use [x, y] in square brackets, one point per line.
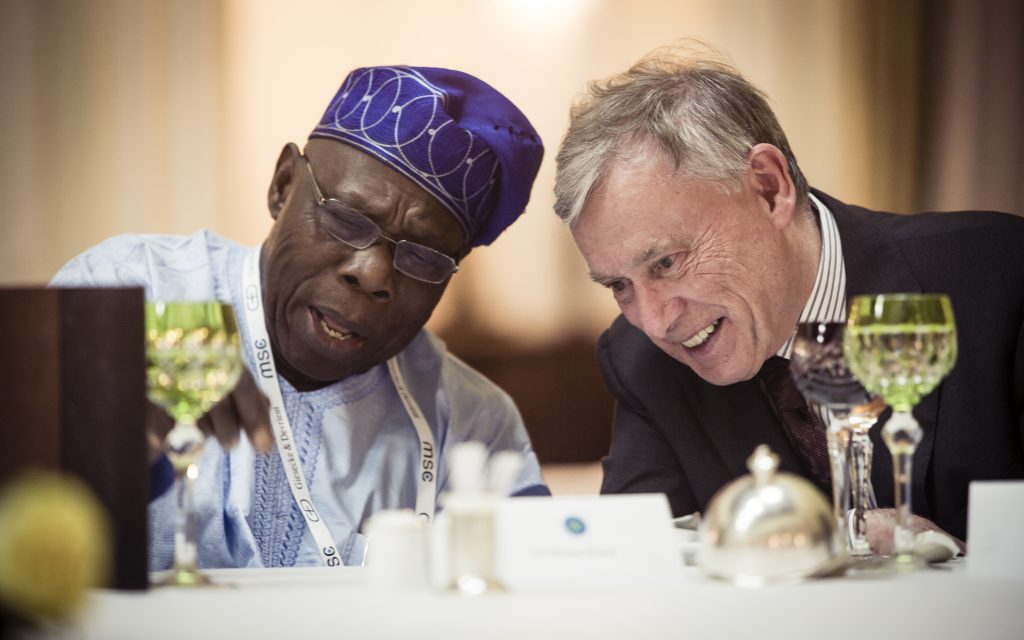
[574, 525]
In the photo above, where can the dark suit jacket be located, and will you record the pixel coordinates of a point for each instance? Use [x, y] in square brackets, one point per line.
[677, 434]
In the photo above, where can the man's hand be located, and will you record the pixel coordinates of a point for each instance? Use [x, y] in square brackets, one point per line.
[244, 408]
[880, 525]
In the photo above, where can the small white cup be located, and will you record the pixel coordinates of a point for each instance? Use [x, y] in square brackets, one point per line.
[396, 554]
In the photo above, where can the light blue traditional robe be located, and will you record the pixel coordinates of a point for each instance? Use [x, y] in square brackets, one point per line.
[357, 444]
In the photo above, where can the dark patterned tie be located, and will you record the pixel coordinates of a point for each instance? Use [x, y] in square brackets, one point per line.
[803, 425]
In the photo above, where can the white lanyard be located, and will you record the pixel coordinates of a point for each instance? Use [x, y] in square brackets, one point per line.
[266, 376]
[426, 492]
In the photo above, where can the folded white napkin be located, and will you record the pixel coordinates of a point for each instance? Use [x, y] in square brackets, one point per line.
[935, 546]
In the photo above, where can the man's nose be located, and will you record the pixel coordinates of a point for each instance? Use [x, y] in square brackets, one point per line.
[655, 311]
[370, 270]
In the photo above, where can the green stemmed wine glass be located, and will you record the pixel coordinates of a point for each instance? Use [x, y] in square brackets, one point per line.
[901, 346]
[193, 359]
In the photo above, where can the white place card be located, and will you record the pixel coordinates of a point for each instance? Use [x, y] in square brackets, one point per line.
[995, 529]
[591, 541]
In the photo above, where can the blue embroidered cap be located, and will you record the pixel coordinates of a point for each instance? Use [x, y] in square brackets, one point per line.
[449, 132]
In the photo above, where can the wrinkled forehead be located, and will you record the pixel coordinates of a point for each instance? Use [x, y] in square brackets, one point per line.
[619, 215]
[365, 182]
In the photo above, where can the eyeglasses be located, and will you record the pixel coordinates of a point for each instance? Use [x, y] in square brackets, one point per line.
[359, 232]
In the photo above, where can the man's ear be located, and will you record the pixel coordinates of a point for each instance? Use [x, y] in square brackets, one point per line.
[284, 178]
[768, 173]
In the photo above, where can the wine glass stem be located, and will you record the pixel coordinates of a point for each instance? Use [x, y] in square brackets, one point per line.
[860, 472]
[903, 533]
[185, 527]
[902, 434]
[839, 452]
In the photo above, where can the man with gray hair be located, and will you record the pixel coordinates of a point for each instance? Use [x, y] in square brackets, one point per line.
[685, 199]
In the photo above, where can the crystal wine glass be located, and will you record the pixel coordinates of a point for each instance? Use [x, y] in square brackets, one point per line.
[193, 359]
[901, 346]
[821, 375]
[862, 418]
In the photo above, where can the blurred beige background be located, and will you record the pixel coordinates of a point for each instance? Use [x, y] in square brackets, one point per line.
[168, 116]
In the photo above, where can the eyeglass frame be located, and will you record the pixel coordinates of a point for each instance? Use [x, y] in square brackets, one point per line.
[333, 206]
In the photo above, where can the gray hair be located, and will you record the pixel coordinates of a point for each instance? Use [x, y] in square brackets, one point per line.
[700, 111]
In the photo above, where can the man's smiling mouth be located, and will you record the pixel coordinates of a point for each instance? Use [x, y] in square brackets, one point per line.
[337, 335]
[701, 336]
[331, 328]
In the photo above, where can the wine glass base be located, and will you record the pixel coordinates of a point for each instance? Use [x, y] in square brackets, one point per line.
[908, 563]
[183, 577]
[471, 585]
[869, 565]
[873, 566]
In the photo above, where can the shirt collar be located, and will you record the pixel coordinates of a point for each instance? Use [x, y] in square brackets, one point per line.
[827, 302]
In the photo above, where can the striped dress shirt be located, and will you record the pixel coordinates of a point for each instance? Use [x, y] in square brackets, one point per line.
[827, 302]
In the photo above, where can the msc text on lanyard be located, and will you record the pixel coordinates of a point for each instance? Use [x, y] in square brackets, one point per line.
[267, 379]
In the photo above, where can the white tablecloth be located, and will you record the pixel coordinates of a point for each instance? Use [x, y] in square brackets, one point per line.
[302, 604]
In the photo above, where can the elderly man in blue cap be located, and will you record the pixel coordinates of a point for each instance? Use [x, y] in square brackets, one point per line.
[409, 169]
